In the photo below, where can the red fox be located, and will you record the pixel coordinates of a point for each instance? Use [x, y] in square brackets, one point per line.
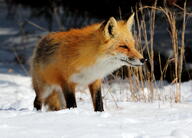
[63, 60]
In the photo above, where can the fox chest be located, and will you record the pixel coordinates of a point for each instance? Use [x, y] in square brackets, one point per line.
[99, 70]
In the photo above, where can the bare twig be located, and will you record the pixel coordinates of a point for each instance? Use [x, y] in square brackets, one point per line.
[37, 26]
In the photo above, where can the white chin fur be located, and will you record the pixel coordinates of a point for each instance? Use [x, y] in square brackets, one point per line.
[103, 67]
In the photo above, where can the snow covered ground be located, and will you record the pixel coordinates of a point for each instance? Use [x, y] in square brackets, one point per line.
[124, 120]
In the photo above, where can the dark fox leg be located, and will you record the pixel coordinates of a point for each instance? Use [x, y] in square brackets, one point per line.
[37, 103]
[38, 88]
[95, 90]
[69, 94]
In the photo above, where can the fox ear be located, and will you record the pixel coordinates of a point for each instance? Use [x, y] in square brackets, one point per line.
[130, 21]
[109, 28]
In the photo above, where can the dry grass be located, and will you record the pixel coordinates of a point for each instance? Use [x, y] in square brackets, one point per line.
[144, 76]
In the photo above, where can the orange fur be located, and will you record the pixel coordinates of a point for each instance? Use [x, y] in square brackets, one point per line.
[72, 51]
[53, 102]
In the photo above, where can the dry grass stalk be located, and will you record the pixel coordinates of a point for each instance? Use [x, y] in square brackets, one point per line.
[143, 77]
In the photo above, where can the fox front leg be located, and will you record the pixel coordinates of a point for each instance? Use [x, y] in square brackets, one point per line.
[95, 90]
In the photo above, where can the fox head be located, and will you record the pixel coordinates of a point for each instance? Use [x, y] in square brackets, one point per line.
[106, 47]
[118, 42]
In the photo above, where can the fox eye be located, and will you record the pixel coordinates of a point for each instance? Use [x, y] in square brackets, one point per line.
[124, 46]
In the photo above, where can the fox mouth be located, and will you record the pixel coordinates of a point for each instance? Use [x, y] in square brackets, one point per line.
[128, 62]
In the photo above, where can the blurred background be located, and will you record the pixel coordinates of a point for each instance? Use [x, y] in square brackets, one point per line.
[163, 31]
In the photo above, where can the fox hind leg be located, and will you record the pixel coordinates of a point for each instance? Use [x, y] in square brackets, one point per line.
[54, 101]
[48, 95]
[38, 102]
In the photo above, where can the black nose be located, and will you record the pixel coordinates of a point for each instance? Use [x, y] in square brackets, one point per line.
[143, 60]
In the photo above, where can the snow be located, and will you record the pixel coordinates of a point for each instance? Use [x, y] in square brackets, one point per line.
[121, 119]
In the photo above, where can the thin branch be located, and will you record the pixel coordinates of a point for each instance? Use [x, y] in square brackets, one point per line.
[35, 25]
